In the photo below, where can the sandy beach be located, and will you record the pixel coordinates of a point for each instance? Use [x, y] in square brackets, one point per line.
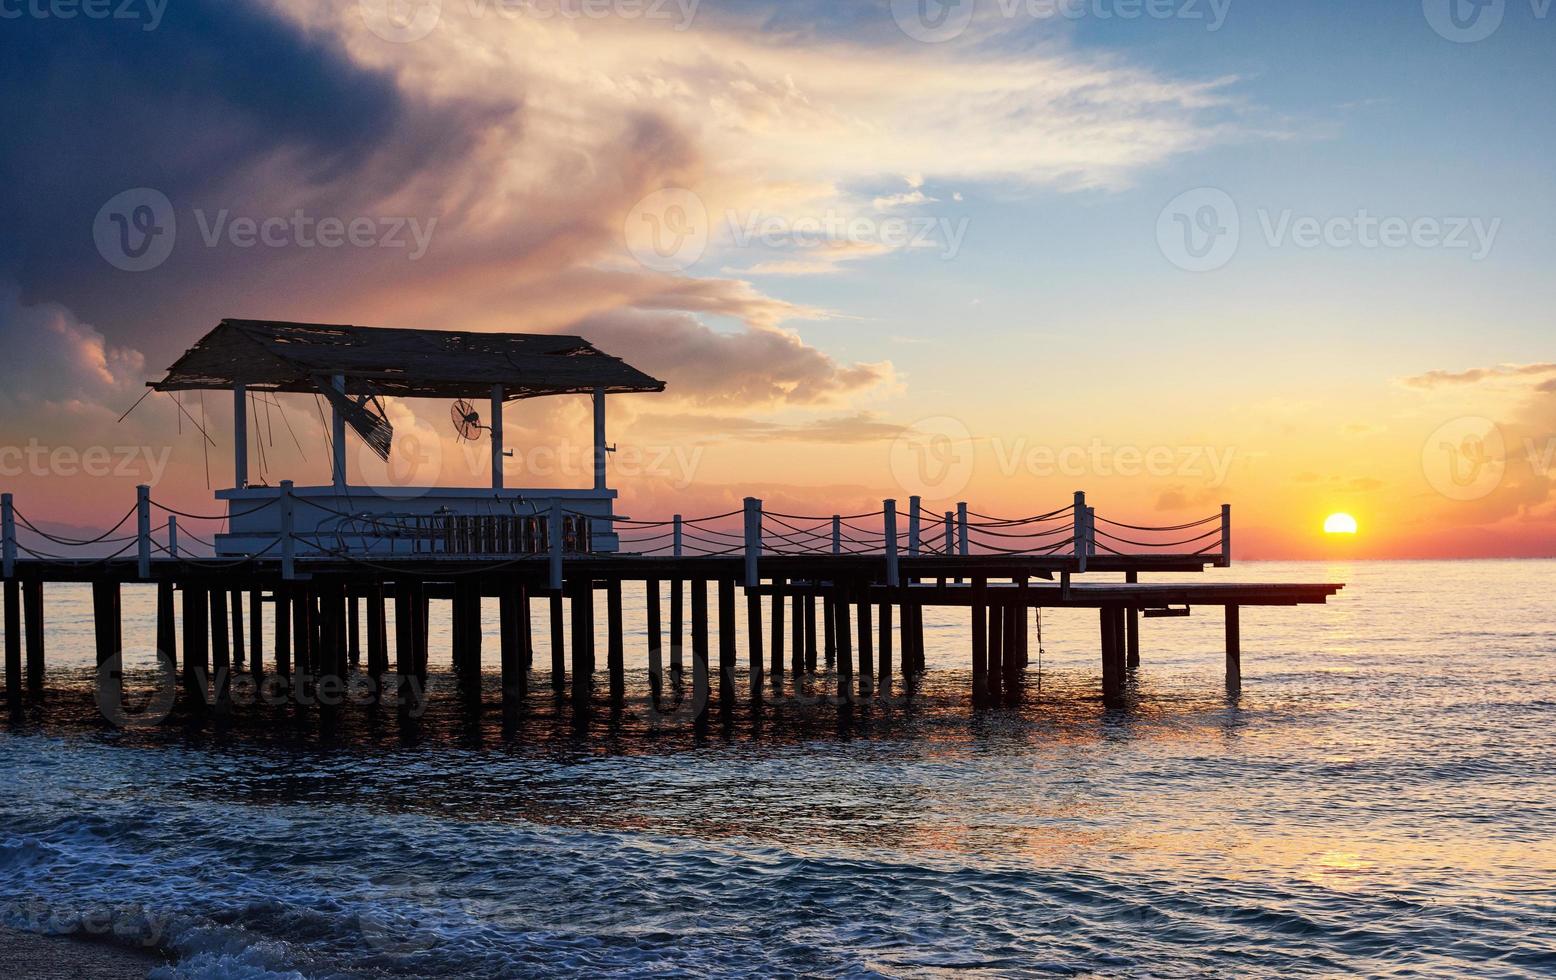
[72, 958]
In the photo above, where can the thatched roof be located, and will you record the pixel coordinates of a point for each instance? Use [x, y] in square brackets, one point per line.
[275, 356]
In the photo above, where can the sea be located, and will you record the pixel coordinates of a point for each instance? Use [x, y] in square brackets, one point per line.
[1377, 798]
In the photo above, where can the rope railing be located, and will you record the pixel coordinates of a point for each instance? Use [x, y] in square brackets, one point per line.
[1075, 532]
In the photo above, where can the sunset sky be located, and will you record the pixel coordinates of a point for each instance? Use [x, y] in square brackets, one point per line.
[1295, 256]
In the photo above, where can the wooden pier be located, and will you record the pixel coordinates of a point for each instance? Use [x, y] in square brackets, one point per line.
[289, 583]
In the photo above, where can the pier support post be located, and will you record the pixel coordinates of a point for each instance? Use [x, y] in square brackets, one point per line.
[726, 644]
[796, 637]
[282, 600]
[377, 634]
[510, 614]
[810, 633]
[558, 650]
[1112, 661]
[980, 639]
[677, 629]
[700, 647]
[257, 632]
[583, 639]
[776, 654]
[1013, 651]
[221, 646]
[239, 628]
[1132, 638]
[656, 651]
[754, 641]
[829, 627]
[884, 644]
[353, 630]
[615, 650]
[196, 646]
[1234, 646]
[167, 625]
[106, 621]
[404, 633]
[32, 606]
[845, 646]
[13, 644]
[996, 651]
[866, 650]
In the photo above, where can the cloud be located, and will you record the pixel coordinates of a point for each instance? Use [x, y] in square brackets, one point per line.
[755, 367]
[55, 363]
[859, 427]
[1440, 379]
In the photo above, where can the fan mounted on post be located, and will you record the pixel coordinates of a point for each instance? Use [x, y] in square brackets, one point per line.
[466, 420]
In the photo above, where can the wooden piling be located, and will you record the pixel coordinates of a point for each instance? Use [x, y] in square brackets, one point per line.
[884, 644]
[845, 645]
[1132, 638]
[239, 628]
[281, 599]
[779, 629]
[726, 644]
[13, 644]
[221, 646]
[167, 625]
[353, 630]
[511, 601]
[256, 651]
[810, 634]
[404, 632]
[583, 639]
[32, 606]
[866, 648]
[656, 654]
[302, 638]
[1112, 676]
[980, 639]
[197, 666]
[615, 657]
[1013, 654]
[558, 651]
[677, 628]
[797, 637]
[106, 620]
[996, 651]
[700, 647]
[829, 627]
[1234, 646]
[755, 666]
[377, 633]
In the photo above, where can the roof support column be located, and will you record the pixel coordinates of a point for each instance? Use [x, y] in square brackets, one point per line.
[599, 439]
[338, 437]
[496, 433]
[240, 438]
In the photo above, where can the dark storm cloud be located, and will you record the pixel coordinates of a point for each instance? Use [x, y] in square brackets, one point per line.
[91, 107]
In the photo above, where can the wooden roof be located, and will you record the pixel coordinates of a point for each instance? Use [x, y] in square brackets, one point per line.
[276, 356]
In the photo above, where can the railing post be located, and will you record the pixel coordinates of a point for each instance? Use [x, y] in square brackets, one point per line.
[8, 535]
[890, 528]
[949, 545]
[915, 503]
[1226, 536]
[143, 531]
[753, 542]
[961, 521]
[837, 535]
[172, 536]
[676, 539]
[1079, 544]
[555, 533]
[288, 543]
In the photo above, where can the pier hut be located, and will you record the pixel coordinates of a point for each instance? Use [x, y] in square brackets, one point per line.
[353, 369]
[324, 558]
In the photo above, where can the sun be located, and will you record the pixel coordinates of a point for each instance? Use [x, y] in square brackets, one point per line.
[1339, 524]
